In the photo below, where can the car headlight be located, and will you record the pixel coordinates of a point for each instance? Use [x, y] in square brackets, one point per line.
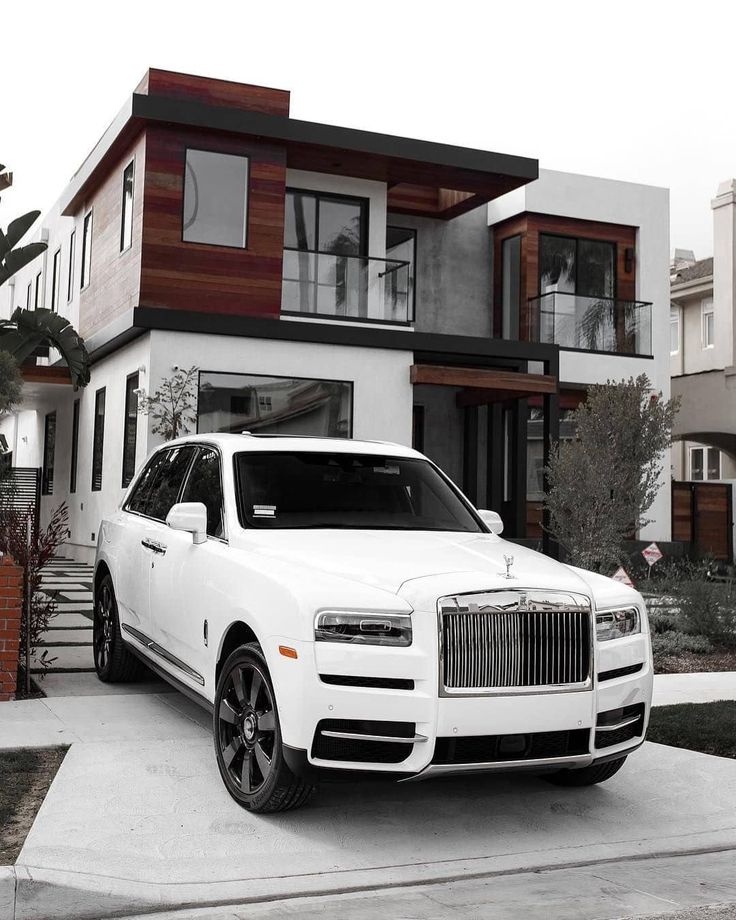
[363, 628]
[615, 624]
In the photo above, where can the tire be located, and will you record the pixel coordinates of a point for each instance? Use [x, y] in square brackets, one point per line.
[114, 663]
[247, 736]
[587, 776]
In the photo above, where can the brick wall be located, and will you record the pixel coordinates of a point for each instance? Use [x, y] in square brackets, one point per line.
[11, 600]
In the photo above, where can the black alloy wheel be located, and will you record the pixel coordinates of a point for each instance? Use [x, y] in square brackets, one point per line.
[102, 630]
[114, 663]
[248, 737]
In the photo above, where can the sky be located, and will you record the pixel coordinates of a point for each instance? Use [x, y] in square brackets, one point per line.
[641, 91]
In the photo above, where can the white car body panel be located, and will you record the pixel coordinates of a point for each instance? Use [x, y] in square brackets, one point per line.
[276, 581]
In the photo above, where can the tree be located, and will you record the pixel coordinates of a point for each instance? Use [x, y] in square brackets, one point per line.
[10, 382]
[12, 259]
[602, 483]
[28, 330]
[173, 406]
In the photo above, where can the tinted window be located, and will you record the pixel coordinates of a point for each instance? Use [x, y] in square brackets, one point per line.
[159, 486]
[215, 198]
[98, 440]
[205, 485]
[359, 491]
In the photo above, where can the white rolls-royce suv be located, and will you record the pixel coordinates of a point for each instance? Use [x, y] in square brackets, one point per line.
[342, 608]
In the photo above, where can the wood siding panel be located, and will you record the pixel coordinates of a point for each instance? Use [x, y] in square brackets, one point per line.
[113, 287]
[215, 92]
[195, 276]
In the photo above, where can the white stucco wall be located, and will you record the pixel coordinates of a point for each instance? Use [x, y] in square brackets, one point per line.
[646, 208]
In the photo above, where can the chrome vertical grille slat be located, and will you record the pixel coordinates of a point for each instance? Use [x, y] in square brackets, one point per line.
[515, 639]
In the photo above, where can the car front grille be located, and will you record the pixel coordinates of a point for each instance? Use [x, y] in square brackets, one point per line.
[515, 639]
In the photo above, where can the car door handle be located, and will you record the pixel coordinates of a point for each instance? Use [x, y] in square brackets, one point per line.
[153, 545]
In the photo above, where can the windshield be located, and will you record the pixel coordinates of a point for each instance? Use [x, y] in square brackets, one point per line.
[305, 489]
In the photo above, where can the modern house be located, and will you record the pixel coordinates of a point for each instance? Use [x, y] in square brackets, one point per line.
[331, 281]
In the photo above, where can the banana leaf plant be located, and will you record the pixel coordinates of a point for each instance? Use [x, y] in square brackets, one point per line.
[28, 330]
[11, 259]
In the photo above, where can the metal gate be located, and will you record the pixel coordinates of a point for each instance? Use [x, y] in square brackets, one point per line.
[702, 515]
[22, 485]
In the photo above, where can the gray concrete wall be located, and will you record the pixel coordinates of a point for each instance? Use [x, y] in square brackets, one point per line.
[454, 273]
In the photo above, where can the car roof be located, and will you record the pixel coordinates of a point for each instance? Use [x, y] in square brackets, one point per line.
[262, 443]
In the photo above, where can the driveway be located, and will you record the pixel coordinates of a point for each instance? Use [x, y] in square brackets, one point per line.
[137, 819]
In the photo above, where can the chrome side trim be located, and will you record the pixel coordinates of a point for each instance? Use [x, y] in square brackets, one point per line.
[613, 728]
[579, 760]
[161, 652]
[354, 736]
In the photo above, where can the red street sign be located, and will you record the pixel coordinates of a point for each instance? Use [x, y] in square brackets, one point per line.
[652, 553]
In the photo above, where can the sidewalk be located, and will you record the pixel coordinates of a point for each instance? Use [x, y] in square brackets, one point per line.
[704, 687]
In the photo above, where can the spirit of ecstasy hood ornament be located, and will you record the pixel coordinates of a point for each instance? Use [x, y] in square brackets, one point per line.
[509, 560]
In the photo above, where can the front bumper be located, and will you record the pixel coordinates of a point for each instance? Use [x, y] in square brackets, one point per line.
[306, 702]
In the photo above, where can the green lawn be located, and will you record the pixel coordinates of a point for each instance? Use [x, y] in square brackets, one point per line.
[25, 777]
[706, 727]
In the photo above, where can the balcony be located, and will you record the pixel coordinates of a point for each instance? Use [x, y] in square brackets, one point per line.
[344, 287]
[603, 324]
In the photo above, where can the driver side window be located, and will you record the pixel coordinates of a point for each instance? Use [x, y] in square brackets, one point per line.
[205, 485]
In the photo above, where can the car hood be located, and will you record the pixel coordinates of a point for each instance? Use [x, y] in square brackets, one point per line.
[447, 562]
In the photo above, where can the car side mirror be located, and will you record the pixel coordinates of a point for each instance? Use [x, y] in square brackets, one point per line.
[492, 520]
[191, 517]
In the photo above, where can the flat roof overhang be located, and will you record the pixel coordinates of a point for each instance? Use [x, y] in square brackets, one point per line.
[424, 178]
[483, 386]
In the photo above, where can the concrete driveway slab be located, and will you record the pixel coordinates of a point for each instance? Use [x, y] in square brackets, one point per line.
[704, 687]
[151, 822]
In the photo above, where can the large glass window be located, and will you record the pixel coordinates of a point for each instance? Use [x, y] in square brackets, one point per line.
[205, 485]
[159, 486]
[215, 198]
[98, 440]
[49, 445]
[510, 287]
[130, 429]
[324, 236]
[86, 250]
[535, 448]
[277, 405]
[56, 281]
[126, 216]
[575, 266]
[358, 491]
[75, 447]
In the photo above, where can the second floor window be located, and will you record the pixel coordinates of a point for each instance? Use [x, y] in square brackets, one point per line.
[130, 429]
[705, 463]
[56, 281]
[86, 250]
[98, 440]
[215, 199]
[709, 324]
[72, 252]
[576, 266]
[38, 296]
[126, 217]
[29, 295]
[674, 330]
[49, 445]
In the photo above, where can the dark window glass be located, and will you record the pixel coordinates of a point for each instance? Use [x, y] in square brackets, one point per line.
[417, 434]
[38, 297]
[557, 264]
[215, 198]
[130, 429]
[277, 405]
[510, 287]
[329, 223]
[714, 463]
[138, 500]
[166, 484]
[29, 295]
[360, 491]
[696, 463]
[75, 447]
[56, 281]
[98, 440]
[575, 266]
[126, 220]
[49, 444]
[205, 485]
[86, 250]
[70, 279]
[596, 263]
[399, 288]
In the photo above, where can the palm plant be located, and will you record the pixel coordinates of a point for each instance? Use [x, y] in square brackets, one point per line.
[28, 330]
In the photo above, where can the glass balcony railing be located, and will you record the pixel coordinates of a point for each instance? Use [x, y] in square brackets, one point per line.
[347, 287]
[621, 327]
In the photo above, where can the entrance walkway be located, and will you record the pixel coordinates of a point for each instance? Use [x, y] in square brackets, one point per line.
[68, 639]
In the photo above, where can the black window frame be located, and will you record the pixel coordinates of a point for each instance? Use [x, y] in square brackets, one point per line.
[29, 295]
[38, 292]
[361, 200]
[75, 448]
[98, 441]
[127, 205]
[155, 459]
[49, 451]
[577, 240]
[70, 277]
[246, 236]
[56, 281]
[415, 241]
[86, 270]
[130, 428]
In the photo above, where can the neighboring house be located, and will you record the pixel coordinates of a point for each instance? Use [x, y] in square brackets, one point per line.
[702, 351]
[333, 281]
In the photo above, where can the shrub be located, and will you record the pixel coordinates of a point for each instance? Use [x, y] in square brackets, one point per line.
[674, 643]
[706, 608]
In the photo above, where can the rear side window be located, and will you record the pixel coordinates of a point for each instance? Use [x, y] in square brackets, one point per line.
[160, 483]
[205, 485]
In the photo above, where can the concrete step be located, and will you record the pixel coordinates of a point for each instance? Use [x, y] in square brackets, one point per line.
[70, 620]
[62, 636]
